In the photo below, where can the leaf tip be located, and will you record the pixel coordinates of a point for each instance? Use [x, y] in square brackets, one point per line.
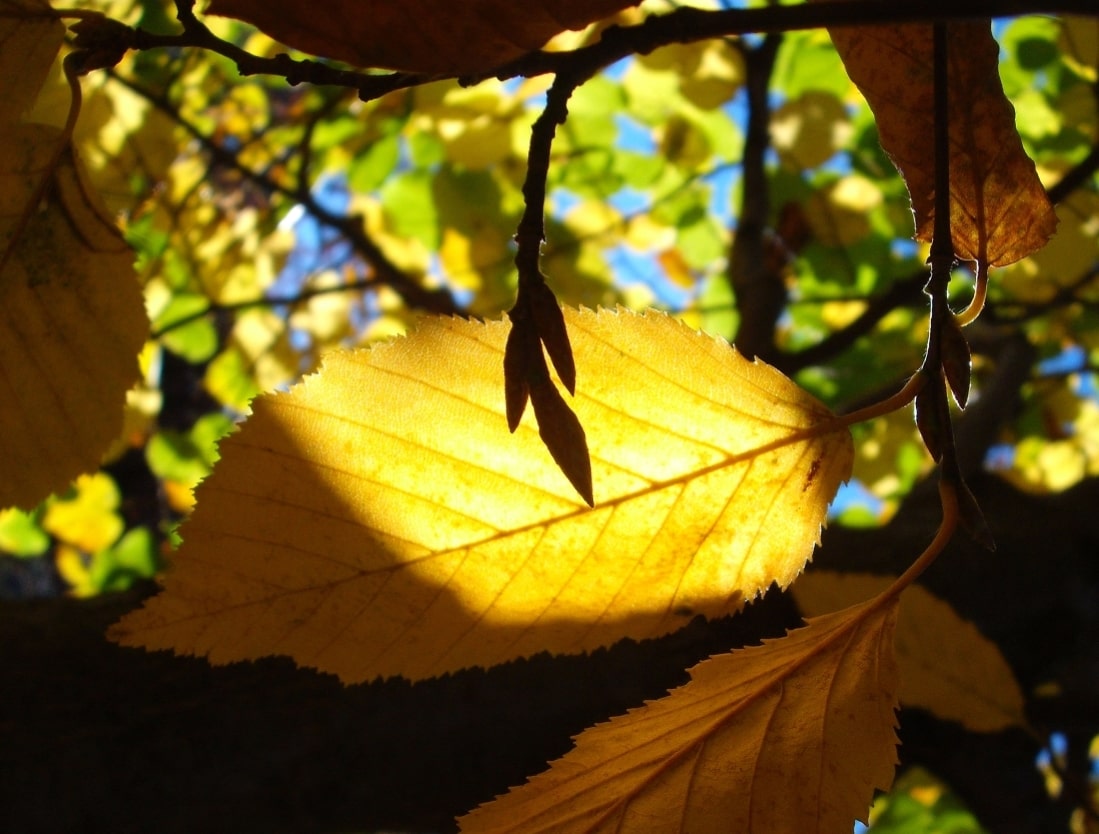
[564, 437]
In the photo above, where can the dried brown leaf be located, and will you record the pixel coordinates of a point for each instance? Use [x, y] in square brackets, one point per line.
[430, 36]
[956, 359]
[999, 212]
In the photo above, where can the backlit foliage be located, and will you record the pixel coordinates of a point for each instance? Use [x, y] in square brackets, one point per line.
[281, 214]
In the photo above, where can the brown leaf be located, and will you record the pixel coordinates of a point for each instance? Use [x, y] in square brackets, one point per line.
[790, 736]
[522, 352]
[431, 36]
[551, 330]
[999, 212]
[956, 358]
[563, 435]
[928, 420]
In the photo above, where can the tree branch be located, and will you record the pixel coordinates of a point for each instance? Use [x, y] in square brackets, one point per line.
[689, 24]
[759, 289]
[681, 26]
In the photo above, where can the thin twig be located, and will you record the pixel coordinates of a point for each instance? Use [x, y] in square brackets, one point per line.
[350, 227]
[264, 301]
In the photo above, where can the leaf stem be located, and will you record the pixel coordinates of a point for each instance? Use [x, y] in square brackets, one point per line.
[948, 497]
[907, 394]
[980, 293]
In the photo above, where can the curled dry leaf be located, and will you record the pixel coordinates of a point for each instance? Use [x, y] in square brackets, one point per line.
[379, 520]
[999, 211]
[429, 36]
[793, 735]
[947, 666]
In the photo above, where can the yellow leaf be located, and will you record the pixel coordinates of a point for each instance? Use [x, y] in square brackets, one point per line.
[839, 213]
[808, 131]
[790, 736]
[327, 315]
[88, 520]
[947, 666]
[71, 315]
[380, 520]
[1079, 41]
[71, 320]
[121, 136]
[30, 36]
[708, 72]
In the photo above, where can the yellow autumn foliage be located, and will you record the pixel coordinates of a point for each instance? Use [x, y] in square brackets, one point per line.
[947, 666]
[379, 520]
[794, 735]
[71, 315]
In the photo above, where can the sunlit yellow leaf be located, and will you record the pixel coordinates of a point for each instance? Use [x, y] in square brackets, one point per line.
[327, 315]
[791, 736]
[379, 519]
[947, 666]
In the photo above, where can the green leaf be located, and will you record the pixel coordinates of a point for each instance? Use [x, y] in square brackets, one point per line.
[132, 557]
[409, 203]
[195, 341]
[20, 534]
[229, 380]
[370, 169]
